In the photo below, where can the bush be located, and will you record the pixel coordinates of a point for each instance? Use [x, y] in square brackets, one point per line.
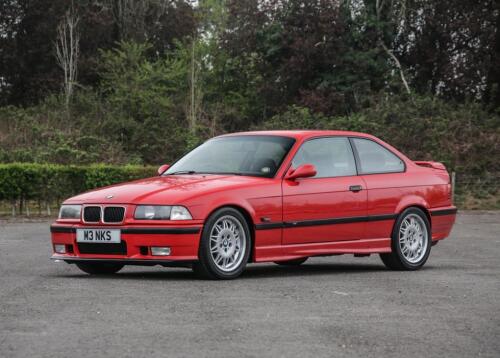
[462, 136]
[52, 183]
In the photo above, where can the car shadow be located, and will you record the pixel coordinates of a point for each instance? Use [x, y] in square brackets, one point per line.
[253, 271]
[259, 271]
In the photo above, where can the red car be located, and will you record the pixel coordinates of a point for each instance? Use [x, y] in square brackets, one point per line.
[279, 196]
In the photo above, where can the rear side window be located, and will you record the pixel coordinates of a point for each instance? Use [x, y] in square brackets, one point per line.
[331, 156]
[374, 158]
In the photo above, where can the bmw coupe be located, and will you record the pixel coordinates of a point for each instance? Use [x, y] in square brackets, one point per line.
[272, 196]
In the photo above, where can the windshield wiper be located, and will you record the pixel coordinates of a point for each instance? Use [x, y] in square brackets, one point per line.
[184, 172]
[190, 172]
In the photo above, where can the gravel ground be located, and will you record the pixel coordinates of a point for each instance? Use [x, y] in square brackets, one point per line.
[330, 307]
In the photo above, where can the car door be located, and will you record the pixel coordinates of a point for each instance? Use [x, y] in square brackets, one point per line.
[328, 206]
[386, 183]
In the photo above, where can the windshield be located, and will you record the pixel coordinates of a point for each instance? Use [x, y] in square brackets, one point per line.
[255, 155]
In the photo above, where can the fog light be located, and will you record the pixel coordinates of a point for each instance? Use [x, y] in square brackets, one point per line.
[60, 249]
[160, 251]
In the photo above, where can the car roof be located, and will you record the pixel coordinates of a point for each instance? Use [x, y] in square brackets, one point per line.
[301, 134]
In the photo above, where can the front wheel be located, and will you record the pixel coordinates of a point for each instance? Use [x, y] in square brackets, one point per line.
[99, 268]
[411, 241]
[225, 245]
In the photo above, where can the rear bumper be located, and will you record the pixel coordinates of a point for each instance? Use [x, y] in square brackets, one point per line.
[442, 221]
[182, 240]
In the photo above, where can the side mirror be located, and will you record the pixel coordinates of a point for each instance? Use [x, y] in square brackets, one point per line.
[303, 171]
[163, 169]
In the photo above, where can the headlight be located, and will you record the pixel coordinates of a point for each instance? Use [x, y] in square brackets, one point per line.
[161, 212]
[70, 212]
[180, 213]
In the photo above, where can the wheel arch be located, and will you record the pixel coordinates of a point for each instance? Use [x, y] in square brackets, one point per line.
[416, 202]
[424, 209]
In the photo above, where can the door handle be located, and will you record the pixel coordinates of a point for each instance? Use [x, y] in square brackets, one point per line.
[355, 188]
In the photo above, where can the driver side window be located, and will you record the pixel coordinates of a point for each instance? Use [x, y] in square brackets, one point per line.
[331, 156]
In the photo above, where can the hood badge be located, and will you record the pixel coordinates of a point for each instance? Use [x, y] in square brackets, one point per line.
[111, 196]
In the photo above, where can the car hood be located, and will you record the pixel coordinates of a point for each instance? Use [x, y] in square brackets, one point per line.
[171, 189]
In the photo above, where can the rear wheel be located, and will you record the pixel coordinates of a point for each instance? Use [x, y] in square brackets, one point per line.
[99, 268]
[225, 245]
[295, 262]
[411, 241]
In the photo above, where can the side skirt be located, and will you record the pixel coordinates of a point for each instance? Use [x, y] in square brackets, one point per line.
[289, 252]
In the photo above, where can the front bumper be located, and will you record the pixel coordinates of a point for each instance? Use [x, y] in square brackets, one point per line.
[183, 241]
[137, 262]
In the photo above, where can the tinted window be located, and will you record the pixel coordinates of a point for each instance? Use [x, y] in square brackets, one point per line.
[376, 159]
[332, 157]
[258, 155]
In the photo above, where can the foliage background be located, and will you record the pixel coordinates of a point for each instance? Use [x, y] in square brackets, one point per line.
[157, 77]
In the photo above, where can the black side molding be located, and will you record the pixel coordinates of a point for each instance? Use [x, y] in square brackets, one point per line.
[269, 226]
[305, 223]
[443, 212]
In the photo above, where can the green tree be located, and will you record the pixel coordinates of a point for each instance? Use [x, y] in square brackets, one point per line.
[144, 100]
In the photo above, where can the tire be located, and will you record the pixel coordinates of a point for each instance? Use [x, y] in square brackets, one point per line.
[99, 268]
[224, 246]
[294, 262]
[411, 242]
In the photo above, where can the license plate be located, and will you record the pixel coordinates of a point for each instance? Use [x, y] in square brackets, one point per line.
[98, 235]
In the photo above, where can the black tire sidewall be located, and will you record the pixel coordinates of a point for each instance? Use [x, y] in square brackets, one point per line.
[204, 251]
[395, 239]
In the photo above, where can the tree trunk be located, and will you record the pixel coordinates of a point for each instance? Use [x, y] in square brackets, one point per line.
[192, 119]
[67, 51]
[492, 93]
[379, 7]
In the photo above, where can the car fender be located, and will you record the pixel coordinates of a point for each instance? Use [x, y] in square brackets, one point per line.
[412, 200]
[215, 202]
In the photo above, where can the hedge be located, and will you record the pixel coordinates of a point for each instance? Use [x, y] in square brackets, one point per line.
[52, 183]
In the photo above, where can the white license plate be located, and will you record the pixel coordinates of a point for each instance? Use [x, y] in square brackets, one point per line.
[98, 235]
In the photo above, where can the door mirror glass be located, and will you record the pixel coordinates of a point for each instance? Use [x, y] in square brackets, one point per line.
[304, 171]
[163, 169]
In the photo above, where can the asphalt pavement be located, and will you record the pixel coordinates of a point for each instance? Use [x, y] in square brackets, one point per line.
[337, 306]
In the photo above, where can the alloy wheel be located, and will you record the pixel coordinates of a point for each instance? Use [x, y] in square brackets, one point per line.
[227, 243]
[413, 238]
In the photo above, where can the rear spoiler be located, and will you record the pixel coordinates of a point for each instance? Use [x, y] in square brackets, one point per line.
[433, 165]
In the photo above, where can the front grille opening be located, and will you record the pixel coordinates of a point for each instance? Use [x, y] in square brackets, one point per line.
[113, 214]
[69, 249]
[144, 250]
[92, 214]
[103, 249]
